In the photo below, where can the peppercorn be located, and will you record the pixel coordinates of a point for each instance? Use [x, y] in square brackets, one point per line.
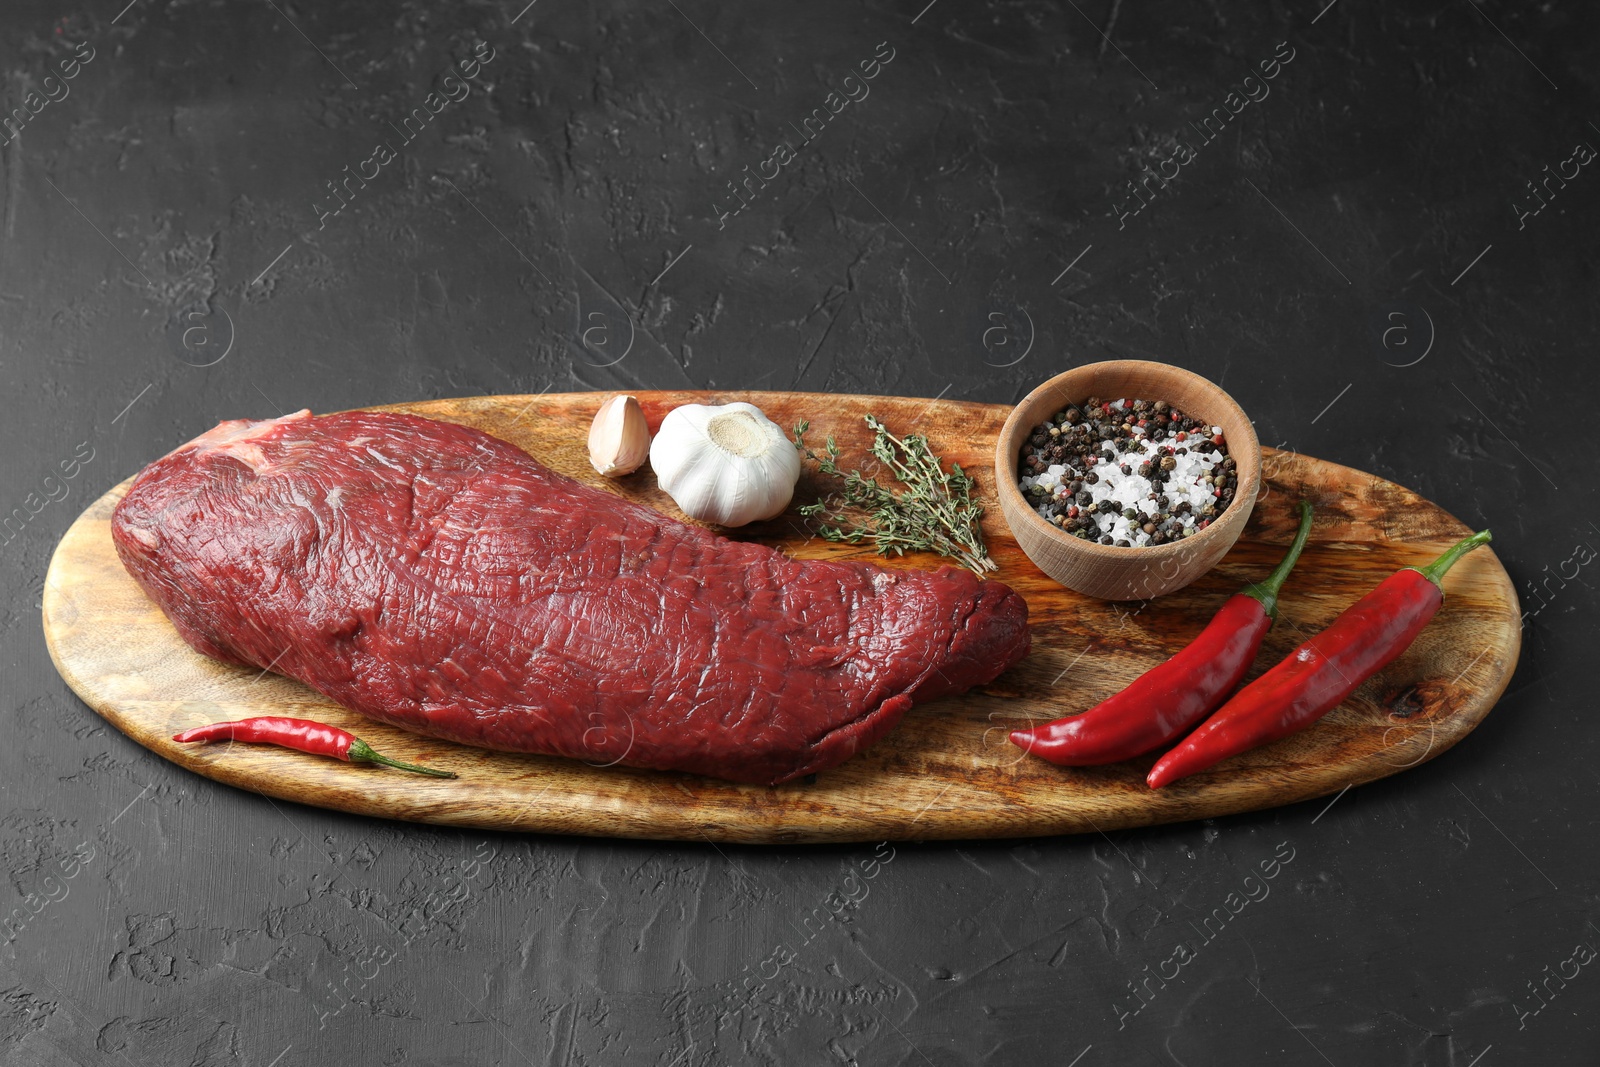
[1105, 539]
[1124, 544]
[1079, 437]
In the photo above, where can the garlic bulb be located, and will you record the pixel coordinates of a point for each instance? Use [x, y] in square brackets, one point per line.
[619, 438]
[727, 464]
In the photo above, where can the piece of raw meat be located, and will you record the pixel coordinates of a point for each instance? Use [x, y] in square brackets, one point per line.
[434, 577]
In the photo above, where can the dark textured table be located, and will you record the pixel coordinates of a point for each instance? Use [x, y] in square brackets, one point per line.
[1372, 224]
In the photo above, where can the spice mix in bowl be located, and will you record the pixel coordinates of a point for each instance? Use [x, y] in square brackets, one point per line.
[1127, 479]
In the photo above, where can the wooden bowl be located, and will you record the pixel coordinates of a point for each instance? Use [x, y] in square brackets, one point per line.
[1107, 571]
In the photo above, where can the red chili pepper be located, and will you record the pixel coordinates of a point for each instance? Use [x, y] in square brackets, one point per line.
[1322, 672]
[1170, 698]
[303, 735]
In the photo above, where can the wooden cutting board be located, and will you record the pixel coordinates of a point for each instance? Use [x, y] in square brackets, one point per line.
[948, 770]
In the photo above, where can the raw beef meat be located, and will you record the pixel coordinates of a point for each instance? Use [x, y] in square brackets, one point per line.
[434, 577]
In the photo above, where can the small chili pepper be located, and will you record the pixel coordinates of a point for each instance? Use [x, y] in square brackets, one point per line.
[1170, 698]
[1322, 672]
[303, 735]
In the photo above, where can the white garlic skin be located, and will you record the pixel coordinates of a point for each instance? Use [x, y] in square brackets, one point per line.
[725, 463]
[619, 437]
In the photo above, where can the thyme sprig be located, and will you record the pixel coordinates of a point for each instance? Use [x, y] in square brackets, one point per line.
[934, 513]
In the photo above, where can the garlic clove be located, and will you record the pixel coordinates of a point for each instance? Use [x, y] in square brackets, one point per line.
[619, 437]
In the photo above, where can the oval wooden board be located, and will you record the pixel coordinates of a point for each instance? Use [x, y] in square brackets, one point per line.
[947, 771]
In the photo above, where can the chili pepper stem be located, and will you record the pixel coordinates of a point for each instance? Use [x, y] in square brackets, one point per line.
[1266, 590]
[1435, 571]
[361, 752]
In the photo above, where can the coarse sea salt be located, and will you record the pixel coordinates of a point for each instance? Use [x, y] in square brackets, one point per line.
[1134, 491]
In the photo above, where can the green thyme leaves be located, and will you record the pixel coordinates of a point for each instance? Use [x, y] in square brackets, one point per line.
[935, 511]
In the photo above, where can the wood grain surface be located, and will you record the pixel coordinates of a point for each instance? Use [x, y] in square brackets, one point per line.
[948, 770]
